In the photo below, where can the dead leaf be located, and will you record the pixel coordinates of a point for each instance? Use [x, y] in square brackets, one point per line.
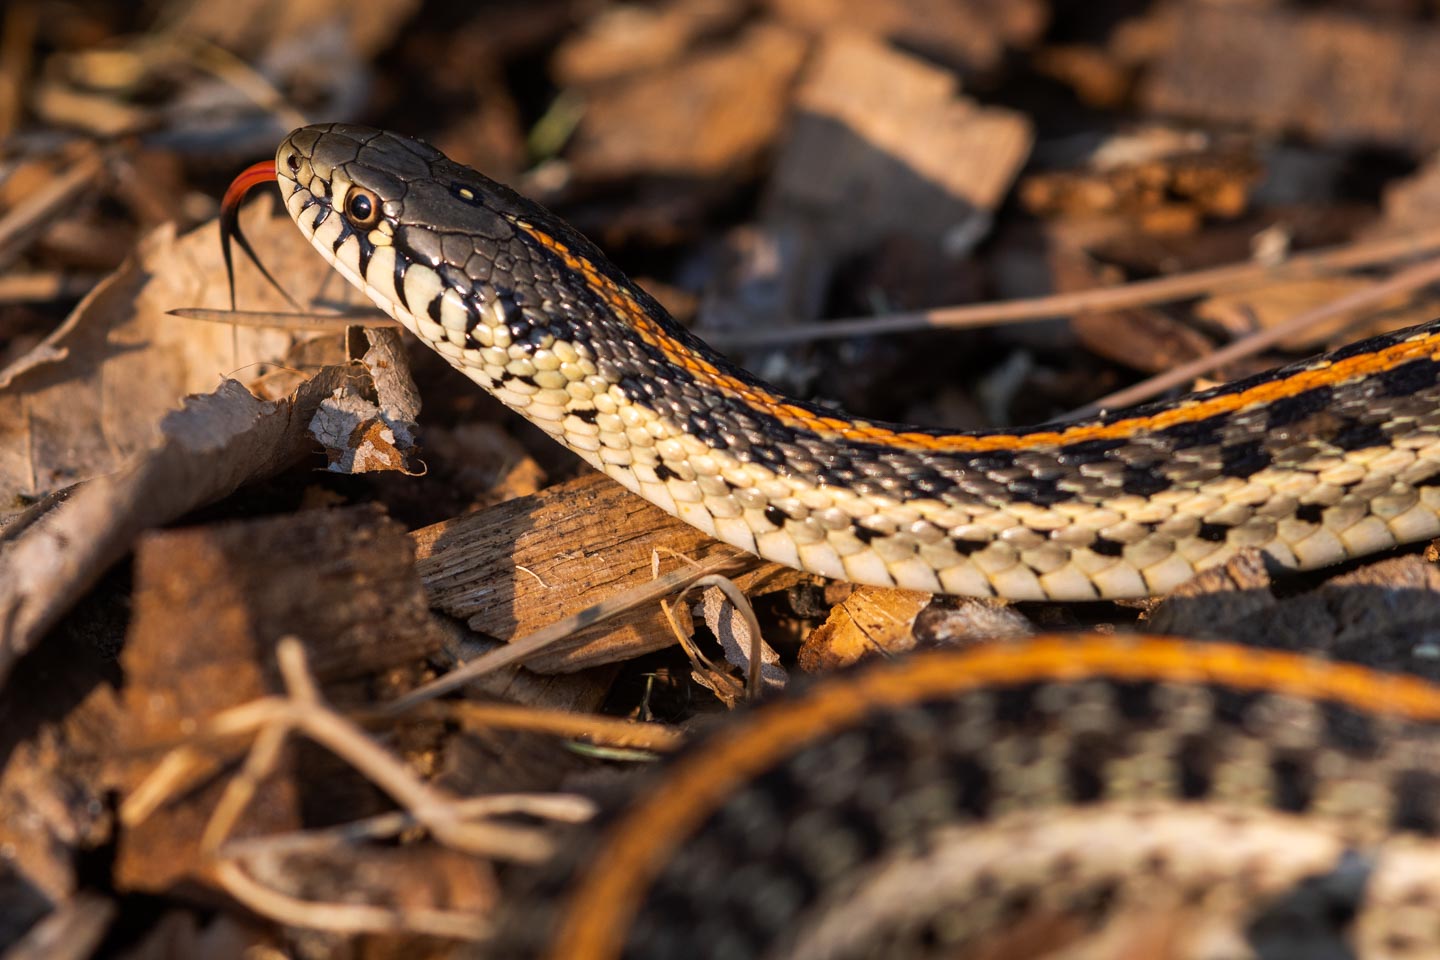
[1269, 306]
[361, 435]
[737, 639]
[92, 393]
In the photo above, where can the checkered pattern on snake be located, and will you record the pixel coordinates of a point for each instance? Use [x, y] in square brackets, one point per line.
[1065, 797]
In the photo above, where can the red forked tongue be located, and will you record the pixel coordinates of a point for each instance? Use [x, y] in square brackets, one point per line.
[249, 178]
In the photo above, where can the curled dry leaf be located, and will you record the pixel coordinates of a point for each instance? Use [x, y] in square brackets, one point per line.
[361, 435]
[213, 445]
[356, 437]
[736, 633]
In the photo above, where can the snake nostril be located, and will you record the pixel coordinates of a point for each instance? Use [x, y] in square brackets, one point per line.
[293, 162]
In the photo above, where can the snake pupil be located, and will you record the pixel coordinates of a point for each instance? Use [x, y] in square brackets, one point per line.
[360, 207]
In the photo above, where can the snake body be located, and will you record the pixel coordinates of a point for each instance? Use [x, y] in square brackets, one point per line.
[1076, 798]
[1328, 459]
[1070, 798]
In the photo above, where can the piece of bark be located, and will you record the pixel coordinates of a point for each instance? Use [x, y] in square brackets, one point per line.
[342, 581]
[1332, 77]
[882, 142]
[210, 605]
[514, 568]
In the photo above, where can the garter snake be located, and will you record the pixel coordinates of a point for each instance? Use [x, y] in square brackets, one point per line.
[1077, 797]
[1314, 463]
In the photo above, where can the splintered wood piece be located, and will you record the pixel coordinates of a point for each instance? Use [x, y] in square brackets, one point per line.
[210, 605]
[519, 566]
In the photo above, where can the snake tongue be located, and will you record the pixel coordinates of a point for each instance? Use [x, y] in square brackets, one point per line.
[249, 178]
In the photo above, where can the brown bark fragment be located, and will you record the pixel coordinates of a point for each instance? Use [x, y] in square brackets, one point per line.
[514, 568]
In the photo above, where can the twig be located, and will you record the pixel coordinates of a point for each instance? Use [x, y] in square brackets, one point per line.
[562, 807]
[741, 603]
[268, 318]
[1139, 293]
[1402, 282]
[448, 819]
[346, 917]
[303, 711]
[603, 730]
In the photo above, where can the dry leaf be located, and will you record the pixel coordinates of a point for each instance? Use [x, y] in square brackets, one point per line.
[93, 392]
[361, 435]
[1269, 306]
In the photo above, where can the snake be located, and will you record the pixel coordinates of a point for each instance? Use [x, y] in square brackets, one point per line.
[1313, 463]
[1081, 797]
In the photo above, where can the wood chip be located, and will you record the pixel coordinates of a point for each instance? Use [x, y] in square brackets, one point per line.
[514, 568]
[1329, 76]
[341, 581]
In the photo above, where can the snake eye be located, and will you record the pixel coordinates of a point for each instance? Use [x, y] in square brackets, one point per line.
[362, 207]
